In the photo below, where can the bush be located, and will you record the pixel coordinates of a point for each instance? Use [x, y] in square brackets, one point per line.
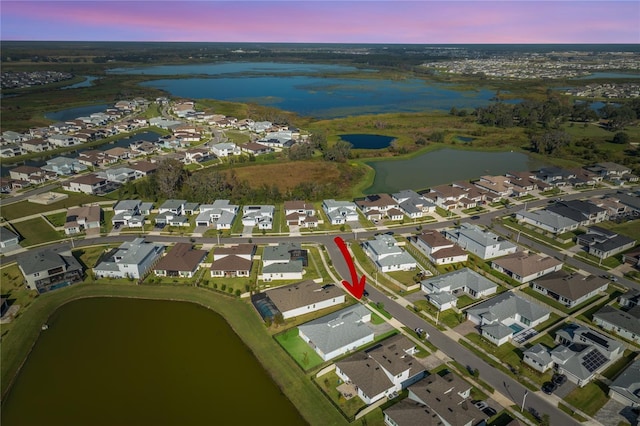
[223, 287]
[238, 293]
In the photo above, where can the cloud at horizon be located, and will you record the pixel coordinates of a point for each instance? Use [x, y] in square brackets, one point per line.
[355, 21]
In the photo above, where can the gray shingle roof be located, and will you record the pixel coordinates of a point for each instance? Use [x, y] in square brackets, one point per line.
[618, 318]
[507, 305]
[302, 294]
[338, 329]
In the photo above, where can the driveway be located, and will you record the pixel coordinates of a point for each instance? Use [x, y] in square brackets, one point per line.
[614, 413]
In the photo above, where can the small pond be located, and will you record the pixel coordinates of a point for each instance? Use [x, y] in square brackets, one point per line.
[364, 141]
[73, 113]
[113, 361]
[88, 82]
[445, 166]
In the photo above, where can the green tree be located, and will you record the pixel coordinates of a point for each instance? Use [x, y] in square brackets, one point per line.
[621, 138]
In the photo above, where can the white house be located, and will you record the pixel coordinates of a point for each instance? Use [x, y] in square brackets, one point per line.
[225, 149]
[481, 242]
[443, 290]
[413, 204]
[89, 184]
[339, 332]
[505, 316]
[220, 214]
[258, 215]
[340, 212]
[304, 297]
[547, 221]
[438, 249]
[526, 266]
[133, 259]
[284, 261]
[382, 370]
[387, 255]
[131, 213]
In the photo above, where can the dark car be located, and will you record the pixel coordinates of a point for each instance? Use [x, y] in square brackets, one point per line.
[489, 412]
[476, 217]
[365, 293]
[549, 387]
[559, 379]
[389, 232]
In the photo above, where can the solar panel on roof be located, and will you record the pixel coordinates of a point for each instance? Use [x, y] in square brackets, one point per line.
[593, 360]
[597, 339]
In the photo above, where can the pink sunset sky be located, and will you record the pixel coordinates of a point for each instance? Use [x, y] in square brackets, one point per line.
[309, 21]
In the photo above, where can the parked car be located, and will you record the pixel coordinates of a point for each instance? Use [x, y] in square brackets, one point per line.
[476, 217]
[365, 293]
[489, 412]
[481, 405]
[549, 387]
[389, 232]
[559, 379]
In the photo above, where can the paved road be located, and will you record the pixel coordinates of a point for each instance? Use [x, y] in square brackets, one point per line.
[500, 381]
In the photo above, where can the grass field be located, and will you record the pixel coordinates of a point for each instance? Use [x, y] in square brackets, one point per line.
[299, 350]
[36, 231]
[25, 208]
[589, 398]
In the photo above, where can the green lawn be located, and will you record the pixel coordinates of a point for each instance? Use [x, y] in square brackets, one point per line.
[630, 229]
[36, 231]
[25, 208]
[329, 383]
[589, 398]
[57, 219]
[298, 349]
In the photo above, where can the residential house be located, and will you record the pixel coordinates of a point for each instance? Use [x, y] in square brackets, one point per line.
[438, 249]
[629, 299]
[258, 215]
[383, 370]
[133, 259]
[505, 316]
[481, 242]
[443, 290]
[143, 168]
[9, 240]
[255, 148]
[583, 212]
[524, 182]
[36, 145]
[26, 173]
[118, 153]
[285, 261]
[89, 184]
[339, 332]
[225, 149]
[64, 166]
[11, 150]
[626, 387]
[603, 243]
[583, 353]
[182, 260]
[555, 176]
[611, 204]
[131, 213]
[340, 212]
[609, 170]
[450, 197]
[61, 140]
[538, 357]
[569, 289]
[625, 324]
[413, 204]
[547, 221]
[497, 185]
[632, 258]
[387, 255]
[83, 219]
[172, 212]
[632, 201]
[377, 206]
[526, 266]
[220, 214]
[300, 213]
[49, 269]
[446, 398]
[118, 174]
[233, 261]
[304, 297]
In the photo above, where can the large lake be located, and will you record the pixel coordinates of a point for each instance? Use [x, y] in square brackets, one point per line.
[445, 166]
[112, 361]
[299, 88]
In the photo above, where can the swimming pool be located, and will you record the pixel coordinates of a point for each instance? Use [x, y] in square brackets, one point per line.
[516, 328]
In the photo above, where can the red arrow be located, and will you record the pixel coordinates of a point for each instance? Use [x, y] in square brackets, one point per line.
[355, 287]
